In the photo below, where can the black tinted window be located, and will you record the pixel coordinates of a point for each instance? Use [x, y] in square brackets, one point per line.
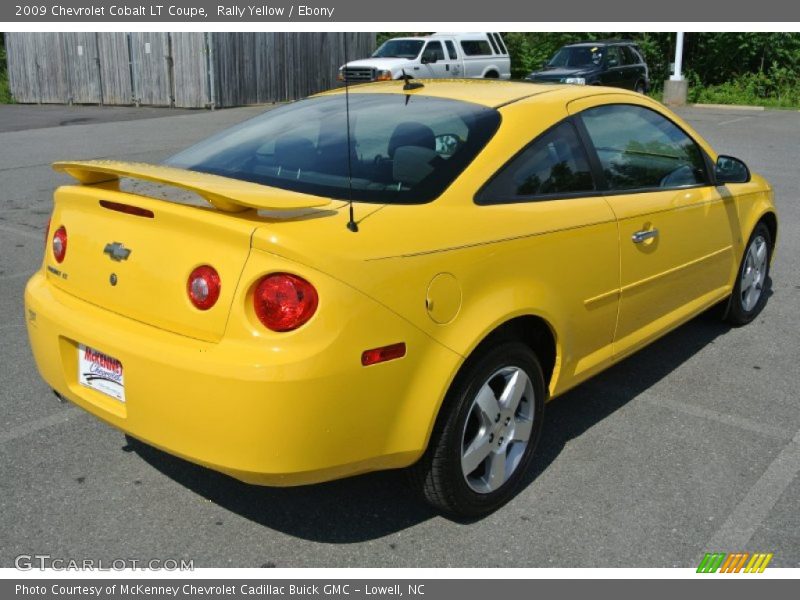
[638, 148]
[553, 165]
[613, 56]
[433, 51]
[451, 50]
[403, 149]
[476, 48]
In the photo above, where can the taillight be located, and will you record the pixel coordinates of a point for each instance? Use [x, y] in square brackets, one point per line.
[60, 244]
[284, 302]
[203, 287]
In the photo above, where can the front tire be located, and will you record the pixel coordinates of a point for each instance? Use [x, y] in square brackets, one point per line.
[486, 433]
[749, 294]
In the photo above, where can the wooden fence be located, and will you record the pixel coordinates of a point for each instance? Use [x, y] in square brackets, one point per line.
[190, 70]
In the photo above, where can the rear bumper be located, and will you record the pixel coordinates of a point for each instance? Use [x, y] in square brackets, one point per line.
[295, 420]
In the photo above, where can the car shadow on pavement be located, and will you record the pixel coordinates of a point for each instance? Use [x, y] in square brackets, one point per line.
[377, 504]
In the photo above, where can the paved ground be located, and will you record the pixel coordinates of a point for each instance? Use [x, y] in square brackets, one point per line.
[688, 446]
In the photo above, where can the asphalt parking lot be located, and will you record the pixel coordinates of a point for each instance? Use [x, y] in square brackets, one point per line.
[692, 445]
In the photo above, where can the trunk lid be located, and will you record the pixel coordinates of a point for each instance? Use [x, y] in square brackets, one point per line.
[138, 265]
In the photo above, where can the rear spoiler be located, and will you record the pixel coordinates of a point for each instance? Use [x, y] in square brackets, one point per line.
[229, 195]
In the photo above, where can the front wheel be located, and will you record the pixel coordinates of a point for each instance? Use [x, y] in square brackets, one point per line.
[485, 437]
[749, 293]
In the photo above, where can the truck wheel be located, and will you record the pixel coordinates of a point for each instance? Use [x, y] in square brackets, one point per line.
[484, 439]
[491, 75]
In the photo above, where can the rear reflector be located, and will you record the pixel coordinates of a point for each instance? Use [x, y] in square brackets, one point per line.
[127, 209]
[379, 355]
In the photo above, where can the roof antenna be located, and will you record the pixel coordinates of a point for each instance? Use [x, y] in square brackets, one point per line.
[351, 223]
[410, 85]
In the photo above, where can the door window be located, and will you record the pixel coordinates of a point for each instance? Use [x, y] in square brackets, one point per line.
[451, 50]
[640, 149]
[433, 52]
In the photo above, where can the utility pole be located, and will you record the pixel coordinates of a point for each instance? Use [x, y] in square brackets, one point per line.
[676, 87]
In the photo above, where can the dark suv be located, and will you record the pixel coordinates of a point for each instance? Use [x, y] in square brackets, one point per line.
[617, 63]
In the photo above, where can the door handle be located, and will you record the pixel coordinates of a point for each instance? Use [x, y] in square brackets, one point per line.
[641, 236]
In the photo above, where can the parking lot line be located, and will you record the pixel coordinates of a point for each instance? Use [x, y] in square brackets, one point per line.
[38, 424]
[732, 420]
[728, 122]
[742, 523]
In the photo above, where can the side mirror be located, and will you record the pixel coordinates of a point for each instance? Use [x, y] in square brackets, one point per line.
[613, 62]
[731, 170]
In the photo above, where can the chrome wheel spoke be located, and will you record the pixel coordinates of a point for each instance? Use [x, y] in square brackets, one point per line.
[496, 475]
[761, 254]
[522, 430]
[747, 279]
[487, 404]
[514, 390]
[476, 453]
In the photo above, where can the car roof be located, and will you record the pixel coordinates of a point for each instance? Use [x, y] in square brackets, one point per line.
[487, 92]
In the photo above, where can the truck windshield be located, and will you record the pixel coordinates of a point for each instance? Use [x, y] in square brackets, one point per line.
[577, 56]
[399, 49]
[404, 149]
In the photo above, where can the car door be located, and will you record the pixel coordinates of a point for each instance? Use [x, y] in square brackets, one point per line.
[675, 233]
[456, 64]
[570, 247]
[612, 75]
[434, 63]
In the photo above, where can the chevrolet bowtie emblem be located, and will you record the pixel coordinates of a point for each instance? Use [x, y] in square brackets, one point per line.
[117, 251]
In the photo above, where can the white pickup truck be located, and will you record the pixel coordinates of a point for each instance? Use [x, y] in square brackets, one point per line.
[441, 55]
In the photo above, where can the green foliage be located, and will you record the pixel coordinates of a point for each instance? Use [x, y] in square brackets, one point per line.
[728, 67]
[5, 90]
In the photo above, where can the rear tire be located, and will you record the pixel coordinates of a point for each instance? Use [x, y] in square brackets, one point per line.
[750, 292]
[491, 75]
[484, 438]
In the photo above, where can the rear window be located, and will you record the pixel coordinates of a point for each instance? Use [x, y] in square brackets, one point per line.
[403, 149]
[476, 47]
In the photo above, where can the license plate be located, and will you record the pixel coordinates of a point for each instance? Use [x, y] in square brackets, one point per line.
[100, 372]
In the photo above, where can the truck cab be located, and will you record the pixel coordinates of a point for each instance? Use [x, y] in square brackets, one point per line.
[437, 56]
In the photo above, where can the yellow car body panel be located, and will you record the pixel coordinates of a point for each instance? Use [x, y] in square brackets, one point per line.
[219, 389]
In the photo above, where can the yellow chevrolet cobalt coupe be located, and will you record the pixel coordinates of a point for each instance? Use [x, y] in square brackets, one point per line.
[396, 276]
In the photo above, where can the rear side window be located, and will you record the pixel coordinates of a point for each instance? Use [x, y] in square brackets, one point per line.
[613, 56]
[451, 50]
[476, 48]
[635, 54]
[555, 164]
[494, 44]
[640, 149]
[500, 43]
